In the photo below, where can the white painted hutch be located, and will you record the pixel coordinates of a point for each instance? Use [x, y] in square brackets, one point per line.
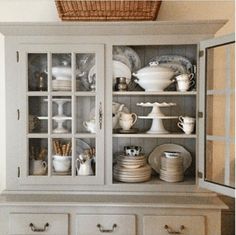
[90, 205]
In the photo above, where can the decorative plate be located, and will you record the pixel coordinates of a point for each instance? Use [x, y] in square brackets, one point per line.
[154, 158]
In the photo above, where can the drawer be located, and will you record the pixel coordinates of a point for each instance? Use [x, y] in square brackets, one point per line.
[50, 224]
[186, 225]
[102, 224]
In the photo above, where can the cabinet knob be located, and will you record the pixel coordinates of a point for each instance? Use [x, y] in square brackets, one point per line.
[170, 231]
[102, 230]
[34, 229]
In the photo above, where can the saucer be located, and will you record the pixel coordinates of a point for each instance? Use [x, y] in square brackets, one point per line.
[130, 131]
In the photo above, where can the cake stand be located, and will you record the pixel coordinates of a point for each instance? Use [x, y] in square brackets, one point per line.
[60, 118]
[157, 116]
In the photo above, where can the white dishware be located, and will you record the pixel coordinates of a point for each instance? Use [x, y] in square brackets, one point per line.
[184, 85]
[154, 158]
[90, 125]
[38, 167]
[186, 119]
[175, 59]
[185, 77]
[121, 70]
[156, 115]
[130, 54]
[154, 77]
[84, 165]
[61, 163]
[64, 72]
[187, 127]
[127, 120]
[132, 150]
[171, 154]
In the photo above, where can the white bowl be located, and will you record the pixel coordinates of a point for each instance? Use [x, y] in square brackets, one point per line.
[153, 85]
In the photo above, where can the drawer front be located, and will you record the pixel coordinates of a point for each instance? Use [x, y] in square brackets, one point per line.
[106, 224]
[50, 224]
[164, 225]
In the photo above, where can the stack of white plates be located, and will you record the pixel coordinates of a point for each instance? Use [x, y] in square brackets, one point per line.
[61, 85]
[172, 169]
[131, 169]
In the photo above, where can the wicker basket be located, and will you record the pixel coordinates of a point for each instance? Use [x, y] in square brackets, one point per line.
[104, 10]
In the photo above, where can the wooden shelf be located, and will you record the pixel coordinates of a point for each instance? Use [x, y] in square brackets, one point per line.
[144, 93]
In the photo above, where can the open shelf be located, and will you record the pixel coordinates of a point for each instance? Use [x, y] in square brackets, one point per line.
[145, 135]
[173, 93]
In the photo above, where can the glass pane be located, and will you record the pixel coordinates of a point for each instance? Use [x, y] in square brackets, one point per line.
[215, 112]
[85, 162]
[38, 114]
[37, 72]
[61, 114]
[85, 115]
[232, 165]
[61, 72]
[215, 161]
[216, 68]
[85, 72]
[38, 156]
[61, 156]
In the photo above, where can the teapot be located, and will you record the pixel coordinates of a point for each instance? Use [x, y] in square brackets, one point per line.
[85, 164]
[90, 125]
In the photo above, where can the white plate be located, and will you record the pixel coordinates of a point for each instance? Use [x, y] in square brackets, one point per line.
[121, 70]
[154, 158]
[130, 54]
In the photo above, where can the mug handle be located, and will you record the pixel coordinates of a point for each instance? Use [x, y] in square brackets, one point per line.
[85, 124]
[181, 118]
[44, 164]
[191, 83]
[191, 76]
[135, 117]
[179, 124]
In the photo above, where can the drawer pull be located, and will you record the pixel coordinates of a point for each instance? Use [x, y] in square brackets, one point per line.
[102, 230]
[34, 229]
[170, 231]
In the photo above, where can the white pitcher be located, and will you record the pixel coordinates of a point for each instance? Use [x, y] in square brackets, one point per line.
[85, 166]
[127, 120]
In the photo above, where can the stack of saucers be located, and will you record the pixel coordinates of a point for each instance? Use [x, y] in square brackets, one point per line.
[131, 169]
[172, 167]
[61, 85]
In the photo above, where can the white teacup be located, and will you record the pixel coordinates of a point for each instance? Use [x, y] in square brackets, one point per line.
[90, 125]
[38, 167]
[184, 85]
[127, 120]
[186, 127]
[61, 163]
[187, 119]
[185, 77]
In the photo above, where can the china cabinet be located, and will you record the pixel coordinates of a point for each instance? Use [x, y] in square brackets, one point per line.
[64, 131]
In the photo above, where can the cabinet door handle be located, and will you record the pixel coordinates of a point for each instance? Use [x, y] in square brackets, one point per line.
[34, 229]
[100, 115]
[102, 230]
[170, 231]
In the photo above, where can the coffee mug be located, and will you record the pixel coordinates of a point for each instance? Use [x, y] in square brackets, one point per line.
[132, 150]
[184, 85]
[186, 119]
[127, 121]
[186, 127]
[185, 77]
[38, 167]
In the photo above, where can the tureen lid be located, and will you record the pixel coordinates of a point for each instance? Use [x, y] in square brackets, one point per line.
[153, 68]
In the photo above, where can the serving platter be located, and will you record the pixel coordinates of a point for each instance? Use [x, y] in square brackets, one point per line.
[154, 158]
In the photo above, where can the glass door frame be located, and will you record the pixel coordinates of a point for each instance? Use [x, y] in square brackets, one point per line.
[49, 49]
[203, 182]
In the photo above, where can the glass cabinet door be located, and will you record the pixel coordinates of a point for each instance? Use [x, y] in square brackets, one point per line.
[64, 134]
[218, 167]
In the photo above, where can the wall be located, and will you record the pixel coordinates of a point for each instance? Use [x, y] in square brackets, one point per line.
[45, 10]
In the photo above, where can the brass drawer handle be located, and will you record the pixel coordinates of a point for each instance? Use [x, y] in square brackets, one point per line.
[34, 229]
[170, 231]
[102, 230]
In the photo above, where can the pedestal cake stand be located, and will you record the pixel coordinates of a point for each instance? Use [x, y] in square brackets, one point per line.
[157, 116]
